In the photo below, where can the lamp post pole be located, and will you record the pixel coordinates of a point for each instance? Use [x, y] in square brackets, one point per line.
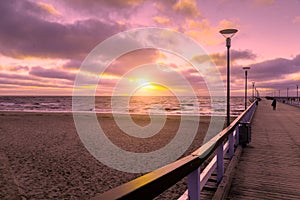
[246, 75]
[287, 95]
[253, 84]
[228, 34]
[228, 81]
[279, 93]
[297, 92]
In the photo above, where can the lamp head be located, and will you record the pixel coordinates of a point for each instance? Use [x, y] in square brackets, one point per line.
[228, 33]
[246, 68]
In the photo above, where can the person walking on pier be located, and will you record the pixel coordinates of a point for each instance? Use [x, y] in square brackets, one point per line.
[274, 104]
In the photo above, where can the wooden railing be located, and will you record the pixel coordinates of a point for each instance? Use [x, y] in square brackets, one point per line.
[293, 101]
[154, 183]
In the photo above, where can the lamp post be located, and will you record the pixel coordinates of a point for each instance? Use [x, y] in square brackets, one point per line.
[253, 84]
[297, 92]
[228, 34]
[279, 93]
[246, 75]
[287, 93]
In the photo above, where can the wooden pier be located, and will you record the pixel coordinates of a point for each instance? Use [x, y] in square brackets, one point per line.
[269, 167]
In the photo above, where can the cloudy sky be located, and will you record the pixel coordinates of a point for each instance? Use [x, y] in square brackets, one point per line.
[43, 43]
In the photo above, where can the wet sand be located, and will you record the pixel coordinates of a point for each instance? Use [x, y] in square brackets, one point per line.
[42, 156]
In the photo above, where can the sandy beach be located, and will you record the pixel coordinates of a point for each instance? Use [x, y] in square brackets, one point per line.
[42, 157]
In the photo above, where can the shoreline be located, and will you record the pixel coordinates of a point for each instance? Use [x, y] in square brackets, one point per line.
[109, 113]
[46, 159]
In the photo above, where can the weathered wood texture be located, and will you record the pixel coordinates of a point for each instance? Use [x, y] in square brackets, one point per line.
[269, 167]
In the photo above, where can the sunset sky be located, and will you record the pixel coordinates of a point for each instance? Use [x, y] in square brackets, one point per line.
[43, 43]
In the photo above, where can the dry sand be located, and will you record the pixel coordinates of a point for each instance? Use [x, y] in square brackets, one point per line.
[42, 157]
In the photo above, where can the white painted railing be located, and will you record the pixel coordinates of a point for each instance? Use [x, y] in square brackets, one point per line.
[195, 186]
[290, 101]
[152, 184]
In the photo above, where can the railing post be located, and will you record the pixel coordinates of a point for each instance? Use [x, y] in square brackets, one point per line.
[194, 185]
[220, 162]
[237, 135]
[247, 116]
[231, 145]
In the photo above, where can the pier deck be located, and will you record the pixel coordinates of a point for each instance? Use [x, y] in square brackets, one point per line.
[269, 167]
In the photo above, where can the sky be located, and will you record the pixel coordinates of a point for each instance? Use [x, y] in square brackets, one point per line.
[44, 43]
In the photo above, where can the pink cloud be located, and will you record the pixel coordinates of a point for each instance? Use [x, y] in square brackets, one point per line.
[187, 7]
[296, 19]
[133, 59]
[19, 68]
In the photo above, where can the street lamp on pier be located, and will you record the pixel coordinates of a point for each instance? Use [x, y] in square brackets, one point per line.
[228, 34]
[246, 75]
[253, 84]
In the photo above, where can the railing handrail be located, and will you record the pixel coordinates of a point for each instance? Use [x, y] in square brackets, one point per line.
[154, 183]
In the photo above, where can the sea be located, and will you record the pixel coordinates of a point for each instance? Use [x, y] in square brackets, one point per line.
[170, 105]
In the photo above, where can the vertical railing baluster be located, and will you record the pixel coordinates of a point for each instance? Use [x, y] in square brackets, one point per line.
[237, 135]
[194, 185]
[220, 162]
[231, 145]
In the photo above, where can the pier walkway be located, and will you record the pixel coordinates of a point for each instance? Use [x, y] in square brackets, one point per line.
[269, 167]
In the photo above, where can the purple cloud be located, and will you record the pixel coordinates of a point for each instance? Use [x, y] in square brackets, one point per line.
[99, 4]
[24, 83]
[8, 80]
[269, 74]
[24, 33]
[73, 64]
[220, 59]
[275, 69]
[51, 73]
[242, 54]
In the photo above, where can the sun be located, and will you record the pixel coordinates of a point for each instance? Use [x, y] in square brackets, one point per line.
[152, 89]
